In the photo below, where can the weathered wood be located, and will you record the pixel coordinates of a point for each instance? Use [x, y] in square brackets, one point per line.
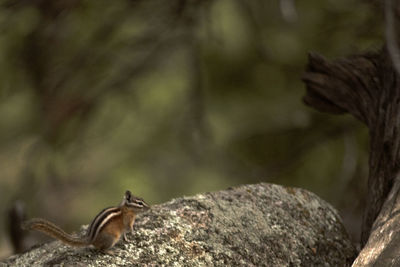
[383, 246]
[366, 86]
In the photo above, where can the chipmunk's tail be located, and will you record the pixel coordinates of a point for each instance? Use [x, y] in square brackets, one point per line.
[54, 231]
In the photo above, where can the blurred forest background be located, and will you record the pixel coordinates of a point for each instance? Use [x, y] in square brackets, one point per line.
[172, 98]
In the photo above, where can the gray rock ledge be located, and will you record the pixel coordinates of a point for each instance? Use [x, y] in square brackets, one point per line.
[249, 225]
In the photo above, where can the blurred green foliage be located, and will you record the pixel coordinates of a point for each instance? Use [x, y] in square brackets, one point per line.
[172, 98]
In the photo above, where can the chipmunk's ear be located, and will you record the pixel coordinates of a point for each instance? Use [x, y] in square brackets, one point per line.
[128, 195]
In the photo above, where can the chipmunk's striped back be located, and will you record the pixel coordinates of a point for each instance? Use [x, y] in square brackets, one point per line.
[101, 220]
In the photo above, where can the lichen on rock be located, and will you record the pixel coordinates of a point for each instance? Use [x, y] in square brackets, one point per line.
[249, 225]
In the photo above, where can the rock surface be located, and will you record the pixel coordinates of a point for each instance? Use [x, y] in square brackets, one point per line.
[250, 225]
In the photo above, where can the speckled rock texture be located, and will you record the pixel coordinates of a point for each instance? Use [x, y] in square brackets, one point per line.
[250, 225]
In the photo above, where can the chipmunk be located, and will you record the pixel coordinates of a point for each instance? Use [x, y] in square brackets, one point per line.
[104, 231]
